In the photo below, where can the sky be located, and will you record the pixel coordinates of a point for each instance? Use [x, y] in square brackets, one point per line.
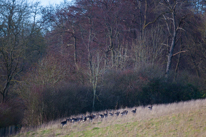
[48, 2]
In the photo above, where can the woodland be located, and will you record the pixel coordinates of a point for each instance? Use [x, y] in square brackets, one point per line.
[93, 55]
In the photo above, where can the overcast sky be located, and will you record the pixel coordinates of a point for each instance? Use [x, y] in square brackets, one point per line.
[48, 2]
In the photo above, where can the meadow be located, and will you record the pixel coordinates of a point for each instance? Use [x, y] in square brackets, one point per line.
[175, 119]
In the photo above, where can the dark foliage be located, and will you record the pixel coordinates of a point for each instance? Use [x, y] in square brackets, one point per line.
[118, 90]
[11, 113]
[159, 91]
[65, 101]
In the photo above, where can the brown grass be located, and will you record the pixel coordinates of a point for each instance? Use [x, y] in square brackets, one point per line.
[177, 119]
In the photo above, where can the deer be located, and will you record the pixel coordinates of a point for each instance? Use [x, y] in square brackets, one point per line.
[106, 114]
[124, 112]
[117, 113]
[111, 114]
[64, 123]
[101, 115]
[150, 107]
[134, 111]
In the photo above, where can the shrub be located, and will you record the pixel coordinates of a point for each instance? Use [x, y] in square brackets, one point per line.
[66, 100]
[11, 113]
[160, 91]
[123, 88]
[147, 86]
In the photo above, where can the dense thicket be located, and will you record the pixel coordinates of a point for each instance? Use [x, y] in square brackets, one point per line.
[99, 54]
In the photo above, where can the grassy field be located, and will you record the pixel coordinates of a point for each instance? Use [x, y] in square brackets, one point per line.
[171, 120]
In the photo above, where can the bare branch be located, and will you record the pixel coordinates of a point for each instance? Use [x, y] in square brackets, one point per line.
[180, 52]
[179, 28]
[154, 20]
[167, 25]
[165, 45]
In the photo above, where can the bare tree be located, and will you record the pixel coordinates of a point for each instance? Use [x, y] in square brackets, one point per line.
[17, 33]
[95, 74]
[174, 16]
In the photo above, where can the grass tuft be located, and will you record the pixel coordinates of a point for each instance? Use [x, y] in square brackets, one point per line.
[95, 128]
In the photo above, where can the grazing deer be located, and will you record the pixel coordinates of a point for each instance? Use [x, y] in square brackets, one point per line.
[70, 120]
[117, 113]
[101, 115]
[106, 114]
[82, 118]
[77, 119]
[91, 117]
[124, 112]
[134, 111]
[111, 114]
[64, 123]
[85, 118]
[150, 107]
[74, 120]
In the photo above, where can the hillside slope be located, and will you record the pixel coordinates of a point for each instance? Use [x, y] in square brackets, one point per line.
[177, 119]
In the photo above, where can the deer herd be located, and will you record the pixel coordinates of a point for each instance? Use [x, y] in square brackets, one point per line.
[98, 115]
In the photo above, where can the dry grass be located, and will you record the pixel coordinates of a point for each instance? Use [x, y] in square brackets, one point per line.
[177, 119]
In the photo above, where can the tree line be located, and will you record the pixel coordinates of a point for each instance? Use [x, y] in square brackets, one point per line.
[98, 54]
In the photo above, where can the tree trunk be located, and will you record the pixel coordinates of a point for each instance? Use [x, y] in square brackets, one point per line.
[170, 55]
[94, 94]
[75, 52]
